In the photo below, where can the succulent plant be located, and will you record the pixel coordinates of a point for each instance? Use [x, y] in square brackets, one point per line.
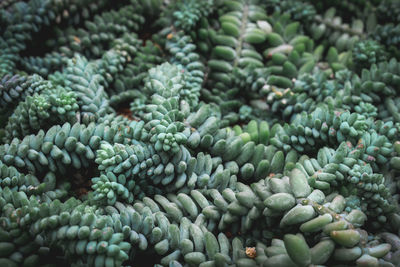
[199, 133]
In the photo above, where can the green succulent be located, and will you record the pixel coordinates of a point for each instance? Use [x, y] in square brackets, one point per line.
[199, 133]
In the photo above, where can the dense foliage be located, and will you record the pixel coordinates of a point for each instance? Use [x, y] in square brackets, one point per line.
[199, 133]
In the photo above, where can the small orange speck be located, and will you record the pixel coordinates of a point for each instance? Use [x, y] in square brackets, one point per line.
[76, 39]
[169, 36]
[251, 252]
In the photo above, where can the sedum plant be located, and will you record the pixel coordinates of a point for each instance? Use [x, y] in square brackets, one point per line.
[199, 133]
